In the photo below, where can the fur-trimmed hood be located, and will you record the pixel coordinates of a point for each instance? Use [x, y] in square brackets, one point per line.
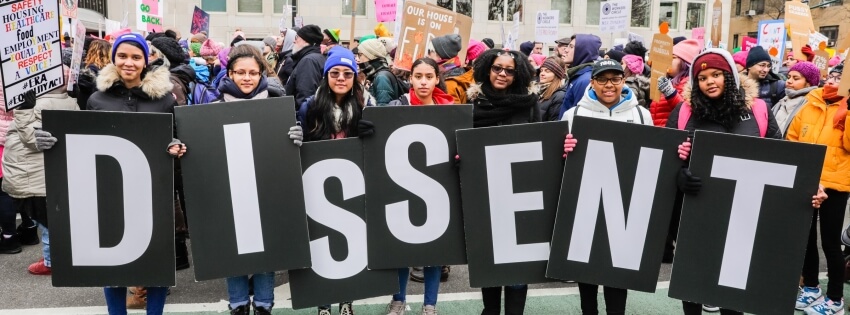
[750, 87]
[156, 83]
[474, 90]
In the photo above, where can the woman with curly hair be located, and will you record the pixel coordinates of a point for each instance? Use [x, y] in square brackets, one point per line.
[97, 57]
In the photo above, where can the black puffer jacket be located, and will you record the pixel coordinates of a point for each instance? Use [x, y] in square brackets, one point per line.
[153, 96]
[85, 85]
[181, 77]
[306, 74]
[550, 108]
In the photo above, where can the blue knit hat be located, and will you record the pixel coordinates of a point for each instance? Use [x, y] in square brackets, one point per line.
[339, 56]
[131, 37]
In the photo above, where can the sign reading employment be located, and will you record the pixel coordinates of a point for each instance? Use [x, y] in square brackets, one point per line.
[30, 54]
[614, 16]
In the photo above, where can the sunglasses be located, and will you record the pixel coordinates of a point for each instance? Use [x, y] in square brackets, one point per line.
[346, 75]
[498, 70]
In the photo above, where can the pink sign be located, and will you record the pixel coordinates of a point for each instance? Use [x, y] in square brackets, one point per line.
[385, 10]
[748, 42]
[153, 5]
[698, 33]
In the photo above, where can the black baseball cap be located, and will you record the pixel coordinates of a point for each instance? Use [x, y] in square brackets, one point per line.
[606, 65]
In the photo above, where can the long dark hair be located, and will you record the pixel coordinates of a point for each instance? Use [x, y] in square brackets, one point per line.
[727, 110]
[428, 61]
[524, 70]
[320, 117]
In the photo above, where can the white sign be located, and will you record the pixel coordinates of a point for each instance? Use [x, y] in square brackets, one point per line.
[546, 26]
[299, 21]
[111, 26]
[815, 39]
[77, 56]
[614, 16]
[149, 15]
[30, 50]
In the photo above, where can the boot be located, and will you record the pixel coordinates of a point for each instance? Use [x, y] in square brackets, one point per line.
[262, 310]
[28, 235]
[241, 310]
[515, 300]
[491, 297]
[10, 245]
[417, 274]
[138, 300]
[182, 254]
[444, 273]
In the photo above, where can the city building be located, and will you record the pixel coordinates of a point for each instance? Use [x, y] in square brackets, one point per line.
[827, 15]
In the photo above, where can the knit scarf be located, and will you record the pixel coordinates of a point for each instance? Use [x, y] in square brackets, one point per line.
[830, 95]
[227, 86]
[371, 67]
[439, 97]
[501, 106]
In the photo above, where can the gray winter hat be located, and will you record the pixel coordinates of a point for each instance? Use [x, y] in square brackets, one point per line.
[447, 46]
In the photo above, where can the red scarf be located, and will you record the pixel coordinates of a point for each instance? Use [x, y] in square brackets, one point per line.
[830, 95]
[439, 97]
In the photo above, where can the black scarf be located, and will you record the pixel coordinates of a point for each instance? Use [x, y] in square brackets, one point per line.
[227, 86]
[500, 106]
[371, 67]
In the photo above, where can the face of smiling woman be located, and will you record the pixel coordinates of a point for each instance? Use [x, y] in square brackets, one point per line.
[130, 61]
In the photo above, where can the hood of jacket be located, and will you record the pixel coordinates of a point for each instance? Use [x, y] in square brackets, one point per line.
[750, 87]
[589, 101]
[288, 41]
[184, 72]
[587, 48]
[155, 84]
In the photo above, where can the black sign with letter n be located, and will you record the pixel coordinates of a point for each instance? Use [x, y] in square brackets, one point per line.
[413, 212]
[617, 196]
[335, 194]
[242, 179]
[111, 200]
[510, 179]
[742, 239]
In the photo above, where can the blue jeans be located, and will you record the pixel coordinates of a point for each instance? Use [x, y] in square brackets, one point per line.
[237, 290]
[116, 300]
[432, 284]
[45, 244]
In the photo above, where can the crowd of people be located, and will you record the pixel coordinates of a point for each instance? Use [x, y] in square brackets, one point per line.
[704, 89]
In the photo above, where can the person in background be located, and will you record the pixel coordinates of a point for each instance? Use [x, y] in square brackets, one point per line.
[285, 64]
[639, 84]
[12, 238]
[616, 55]
[97, 57]
[552, 88]
[489, 43]
[372, 60]
[636, 48]
[209, 53]
[526, 48]
[803, 77]
[307, 62]
[182, 75]
[580, 54]
[457, 86]
[446, 49]
[269, 53]
[740, 59]
[330, 38]
[771, 86]
[671, 87]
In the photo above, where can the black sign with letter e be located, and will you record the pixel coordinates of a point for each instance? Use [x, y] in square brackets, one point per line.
[111, 199]
[335, 196]
[510, 178]
[754, 210]
[616, 200]
[242, 179]
[413, 212]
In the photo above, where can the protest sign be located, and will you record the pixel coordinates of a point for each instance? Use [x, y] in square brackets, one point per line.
[546, 26]
[413, 212]
[771, 37]
[615, 204]
[200, 21]
[77, 55]
[613, 16]
[821, 60]
[149, 15]
[798, 22]
[817, 41]
[110, 26]
[385, 10]
[748, 43]
[335, 194]
[742, 239]
[111, 199]
[661, 59]
[31, 50]
[510, 178]
[420, 24]
[698, 33]
[69, 8]
[247, 223]
[716, 23]
[463, 27]
[298, 21]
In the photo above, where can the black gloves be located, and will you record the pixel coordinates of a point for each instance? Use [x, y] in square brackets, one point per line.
[365, 128]
[29, 100]
[688, 183]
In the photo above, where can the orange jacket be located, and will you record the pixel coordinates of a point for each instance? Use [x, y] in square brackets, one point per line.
[814, 124]
[457, 86]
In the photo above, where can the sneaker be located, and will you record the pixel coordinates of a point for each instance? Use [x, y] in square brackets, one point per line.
[39, 269]
[10, 245]
[710, 308]
[429, 310]
[260, 310]
[28, 235]
[324, 311]
[828, 307]
[240, 310]
[808, 296]
[345, 308]
[138, 299]
[396, 308]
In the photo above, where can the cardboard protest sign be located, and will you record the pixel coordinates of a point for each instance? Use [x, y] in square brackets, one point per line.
[31, 50]
[69, 8]
[420, 24]
[771, 37]
[798, 22]
[754, 210]
[614, 16]
[149, 15]
[413, 212]
[335, 195]
[615, 205]
[111, 199]
[748, 42]
[251, 215]
[843, 86]
[510, 177]
[77, 54]
[661, 59]
[821, 60]
[200, 21]
[716, 23]
[385, 10]
[546, 26]
[463, 27]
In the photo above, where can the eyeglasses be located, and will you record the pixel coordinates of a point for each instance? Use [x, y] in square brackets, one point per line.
[834, 77]
[763, 65]
[604, 81]
[335, 74]
[508, 72]
[242, 74]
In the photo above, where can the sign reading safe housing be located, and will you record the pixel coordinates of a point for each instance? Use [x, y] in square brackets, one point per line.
[249, 213]
[754, 210]
[616, 200]
[511, 177]
[111, 199]
[413, 212]
[335, 193]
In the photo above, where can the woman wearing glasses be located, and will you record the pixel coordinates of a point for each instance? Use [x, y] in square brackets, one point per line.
[823, 120]
[503, 94]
